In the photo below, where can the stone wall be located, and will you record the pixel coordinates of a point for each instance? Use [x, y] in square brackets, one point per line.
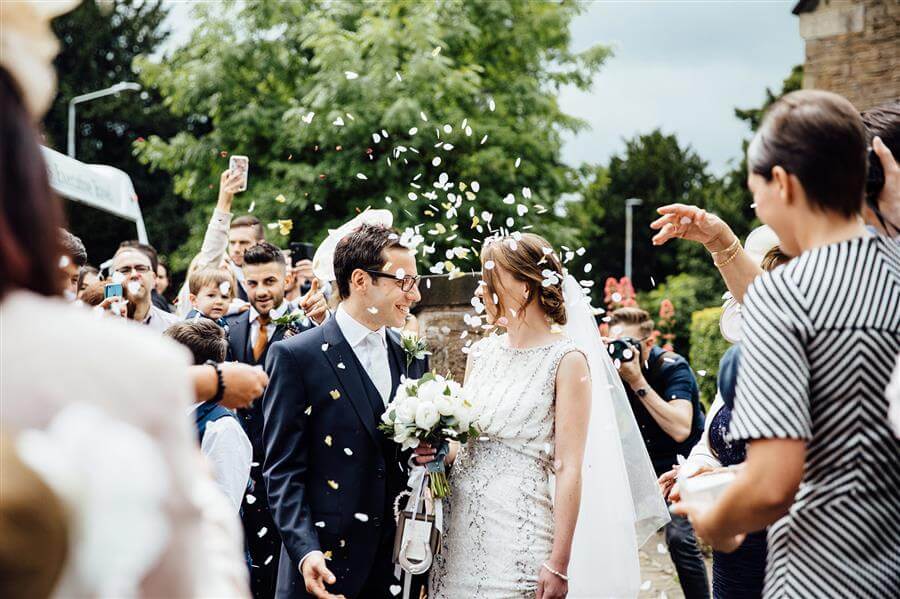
[440, 314]
[852, 48]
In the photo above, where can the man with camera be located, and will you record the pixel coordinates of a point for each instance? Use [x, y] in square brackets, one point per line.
[666, 403]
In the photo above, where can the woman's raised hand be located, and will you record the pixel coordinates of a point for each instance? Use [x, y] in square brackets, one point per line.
[695, 224]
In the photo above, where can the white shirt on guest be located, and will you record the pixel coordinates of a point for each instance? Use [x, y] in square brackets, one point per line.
[370, 348]
[159, 320]
[229, 454]
[270, 328]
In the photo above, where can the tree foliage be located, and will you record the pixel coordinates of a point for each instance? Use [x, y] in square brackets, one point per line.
[344, 105]
[98, 47]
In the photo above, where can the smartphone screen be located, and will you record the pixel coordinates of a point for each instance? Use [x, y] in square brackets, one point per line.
[112, 290]
[240, 164]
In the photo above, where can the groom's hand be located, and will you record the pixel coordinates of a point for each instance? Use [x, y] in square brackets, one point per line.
[316, 575]
[424, 454]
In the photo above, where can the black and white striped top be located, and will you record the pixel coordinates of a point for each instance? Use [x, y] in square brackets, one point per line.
[820, 338]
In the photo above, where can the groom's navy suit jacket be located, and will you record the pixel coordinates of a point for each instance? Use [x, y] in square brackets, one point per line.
[331, 475]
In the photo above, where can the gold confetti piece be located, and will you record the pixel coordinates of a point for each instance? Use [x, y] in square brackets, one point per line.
[285, 226]
[335, 394]
[333, 485]
[328, 440]
[280, 199]
[327, 554]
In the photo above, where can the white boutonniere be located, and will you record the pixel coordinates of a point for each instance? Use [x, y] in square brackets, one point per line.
[414, 347]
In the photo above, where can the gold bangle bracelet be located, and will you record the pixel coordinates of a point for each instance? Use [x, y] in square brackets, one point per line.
[729, 259]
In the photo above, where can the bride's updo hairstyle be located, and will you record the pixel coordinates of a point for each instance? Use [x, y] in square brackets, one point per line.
[530, 259]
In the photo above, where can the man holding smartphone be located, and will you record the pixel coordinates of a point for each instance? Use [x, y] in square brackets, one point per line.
[135, 270]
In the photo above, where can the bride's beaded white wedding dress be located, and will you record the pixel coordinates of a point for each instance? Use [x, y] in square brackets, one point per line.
[499, 516]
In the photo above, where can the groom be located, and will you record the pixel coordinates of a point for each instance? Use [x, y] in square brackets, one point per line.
[331, 475]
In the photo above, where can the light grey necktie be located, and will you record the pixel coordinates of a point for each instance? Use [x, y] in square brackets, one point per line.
[378, 368]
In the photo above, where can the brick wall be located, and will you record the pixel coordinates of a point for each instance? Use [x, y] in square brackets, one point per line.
[853, 48]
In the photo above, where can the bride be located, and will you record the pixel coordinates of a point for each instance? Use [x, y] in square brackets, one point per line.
[544, 505]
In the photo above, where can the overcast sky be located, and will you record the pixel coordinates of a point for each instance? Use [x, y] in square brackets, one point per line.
[680, 65]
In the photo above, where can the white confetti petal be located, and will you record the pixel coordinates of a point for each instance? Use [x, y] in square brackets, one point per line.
[252, 206]
[262, 532]
[361, 517]
[436, 161]
[491, 104]
[395, 589]
[350, 75]
[134, 287]
[250, 499]
[424, 118]
[518, 162]
[348, 451]
[338, 122]
[361, 176]
[376, 138]
[413, 130]
[509, 199]
[64, 261]
[476, 186]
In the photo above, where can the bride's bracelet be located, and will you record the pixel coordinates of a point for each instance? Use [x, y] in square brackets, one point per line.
[552, 571]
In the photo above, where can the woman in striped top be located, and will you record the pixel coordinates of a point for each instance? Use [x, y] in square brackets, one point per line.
[820, 337]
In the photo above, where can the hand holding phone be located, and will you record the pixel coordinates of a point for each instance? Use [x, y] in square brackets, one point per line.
[240, 165]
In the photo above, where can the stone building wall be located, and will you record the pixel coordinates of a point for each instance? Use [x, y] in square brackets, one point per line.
[852, 48]
[440, 314]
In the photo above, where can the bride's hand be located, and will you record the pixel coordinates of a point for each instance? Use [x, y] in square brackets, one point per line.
[551, 586]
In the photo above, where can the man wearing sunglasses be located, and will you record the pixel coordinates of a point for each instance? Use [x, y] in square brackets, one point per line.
[133, 269]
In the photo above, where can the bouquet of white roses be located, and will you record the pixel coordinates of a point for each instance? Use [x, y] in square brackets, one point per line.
[434, 410]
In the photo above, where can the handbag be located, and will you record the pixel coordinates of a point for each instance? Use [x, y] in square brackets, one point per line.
[417, 539]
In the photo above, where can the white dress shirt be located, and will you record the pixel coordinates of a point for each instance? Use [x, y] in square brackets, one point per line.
[159, 320]
[278, 312]
[229, 453]
[370, 348]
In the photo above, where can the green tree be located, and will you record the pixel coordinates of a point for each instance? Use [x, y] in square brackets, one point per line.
[98, 47]
[707, 348]
[436, 110]
[655, 168]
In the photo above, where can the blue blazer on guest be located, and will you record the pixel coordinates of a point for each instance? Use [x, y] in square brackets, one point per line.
[326, 462]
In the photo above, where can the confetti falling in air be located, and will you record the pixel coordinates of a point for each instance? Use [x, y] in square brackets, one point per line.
[335, 394]
[333, 485]
[518, 162]
[308, 117]
[262, 532]
[372, 310]
[252, 206]
[328, 440]
[225, 287]
[268, 560]
[645, 586]
[348, 451]
[320, 524]
[338, 122]
[64, 261]
[701, 372]
[280, 199]
[324, 347]
[661, 549]
[361, 517]
[685, 220]
[395, 589]
[134, 287]
[492, 105]
[350, 75]
[317, 207]
[251, 499]
[341, 365]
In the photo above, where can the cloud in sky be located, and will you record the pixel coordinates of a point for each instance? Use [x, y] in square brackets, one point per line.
[681, 66]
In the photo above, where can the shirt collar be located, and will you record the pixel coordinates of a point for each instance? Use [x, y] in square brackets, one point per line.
[354, 331]
[273, 314]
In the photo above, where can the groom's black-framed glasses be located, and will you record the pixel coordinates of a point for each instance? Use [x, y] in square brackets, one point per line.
[406, 283]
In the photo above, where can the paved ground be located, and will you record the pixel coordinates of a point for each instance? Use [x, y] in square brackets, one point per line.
[657, 572]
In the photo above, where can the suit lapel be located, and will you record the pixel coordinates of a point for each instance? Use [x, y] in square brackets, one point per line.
[397, 360]
[344, 364]
[239, 333]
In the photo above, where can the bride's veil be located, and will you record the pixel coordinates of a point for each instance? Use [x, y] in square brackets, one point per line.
[621, 505]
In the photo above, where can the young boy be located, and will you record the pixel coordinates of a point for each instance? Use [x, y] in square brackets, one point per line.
[211, 292]
[222, 439]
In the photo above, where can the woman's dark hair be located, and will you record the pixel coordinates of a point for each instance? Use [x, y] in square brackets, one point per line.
[818, 137]
[264, 253]
[30, 216]
[364, 249]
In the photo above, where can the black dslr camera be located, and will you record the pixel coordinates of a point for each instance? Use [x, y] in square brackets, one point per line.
[624, 349]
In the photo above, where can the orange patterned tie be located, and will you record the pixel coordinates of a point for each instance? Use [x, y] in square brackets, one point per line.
[262, 339]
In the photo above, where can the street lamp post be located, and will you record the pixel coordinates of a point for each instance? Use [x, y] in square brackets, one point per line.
[630, 203]
[109, 91]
